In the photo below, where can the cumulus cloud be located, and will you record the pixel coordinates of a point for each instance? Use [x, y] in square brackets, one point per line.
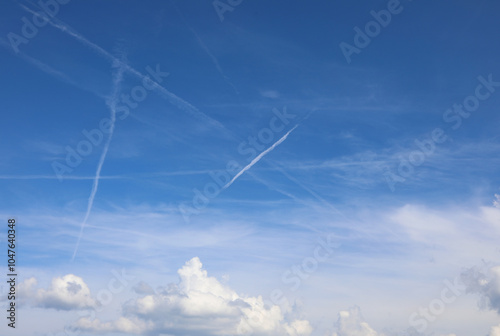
[298, 327]
[486, 284]
[69, 292]
[26, 290]
[199, 305]
[351, 323]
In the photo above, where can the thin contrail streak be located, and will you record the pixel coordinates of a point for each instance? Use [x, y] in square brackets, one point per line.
[47, 68]
[214, 60]
[172, 98]
[296, 199]
[260, 156]
[314, 194]
[112, 107]
[206, 49]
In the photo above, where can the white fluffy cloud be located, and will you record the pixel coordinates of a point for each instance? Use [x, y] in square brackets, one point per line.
[351, 323]
[199, 305]
[65, 293]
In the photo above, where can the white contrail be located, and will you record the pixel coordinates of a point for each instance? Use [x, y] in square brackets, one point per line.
[206, 49]
[46, 68]
[40, 65]
[118, 77]
[214, 60]
[314, 194]
[172, 98]
[260, 156]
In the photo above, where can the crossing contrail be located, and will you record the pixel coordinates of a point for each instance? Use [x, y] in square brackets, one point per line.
[172, 98]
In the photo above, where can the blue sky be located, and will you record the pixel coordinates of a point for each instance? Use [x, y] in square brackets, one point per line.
[218, 152]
